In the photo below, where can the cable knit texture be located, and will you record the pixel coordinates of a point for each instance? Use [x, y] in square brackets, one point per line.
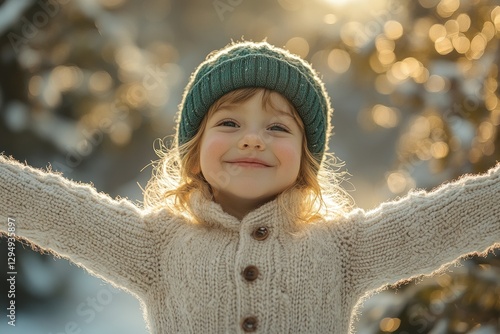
[191, 278]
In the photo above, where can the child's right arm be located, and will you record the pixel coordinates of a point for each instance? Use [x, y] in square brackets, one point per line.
[108, 237]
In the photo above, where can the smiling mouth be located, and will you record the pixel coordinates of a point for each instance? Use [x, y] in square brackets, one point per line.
[249, 163]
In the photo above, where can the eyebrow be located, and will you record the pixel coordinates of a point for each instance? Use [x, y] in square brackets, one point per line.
[285, 113]
[233, 106]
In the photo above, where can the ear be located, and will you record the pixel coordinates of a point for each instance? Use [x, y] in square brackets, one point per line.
[196, 169]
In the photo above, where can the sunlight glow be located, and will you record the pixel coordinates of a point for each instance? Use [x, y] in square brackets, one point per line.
[355, 3]
[340, 2]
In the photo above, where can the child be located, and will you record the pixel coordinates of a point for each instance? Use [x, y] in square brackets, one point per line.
[240, 233]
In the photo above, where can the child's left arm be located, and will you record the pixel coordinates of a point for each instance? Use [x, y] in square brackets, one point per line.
[424, 231]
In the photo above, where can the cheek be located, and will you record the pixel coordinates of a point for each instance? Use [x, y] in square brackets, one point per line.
[289, 155]
[211, 150]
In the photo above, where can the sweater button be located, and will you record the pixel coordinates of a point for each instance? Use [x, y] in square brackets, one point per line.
[249, 324]
[260, 233]
[251, 273]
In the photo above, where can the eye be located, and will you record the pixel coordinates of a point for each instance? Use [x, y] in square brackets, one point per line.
[278, 127]
[228, 122]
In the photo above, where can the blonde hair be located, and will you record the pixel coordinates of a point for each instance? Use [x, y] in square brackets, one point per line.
[315, 195]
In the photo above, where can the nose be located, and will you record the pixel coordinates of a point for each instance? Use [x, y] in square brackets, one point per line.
[251, 141]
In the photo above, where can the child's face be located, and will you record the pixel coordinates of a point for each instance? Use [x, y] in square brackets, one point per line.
[250, 153]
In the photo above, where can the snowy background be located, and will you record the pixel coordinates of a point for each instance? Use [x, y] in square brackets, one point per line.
[86, 86]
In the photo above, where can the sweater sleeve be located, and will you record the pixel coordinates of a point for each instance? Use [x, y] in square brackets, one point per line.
[423, 232]
[107, 237]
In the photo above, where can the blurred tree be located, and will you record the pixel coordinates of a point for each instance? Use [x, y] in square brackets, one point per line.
[465, 301]
[437, 61]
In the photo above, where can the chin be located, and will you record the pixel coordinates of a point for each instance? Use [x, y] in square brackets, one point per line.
[259, 197]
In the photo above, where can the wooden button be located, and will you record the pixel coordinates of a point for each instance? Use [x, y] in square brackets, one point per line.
[249, 324]
[260, 233]
[251, 273]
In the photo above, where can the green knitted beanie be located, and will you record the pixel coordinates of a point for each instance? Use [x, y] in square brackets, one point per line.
[249, 64]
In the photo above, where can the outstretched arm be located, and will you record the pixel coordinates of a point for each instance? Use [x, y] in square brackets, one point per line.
[424, 231]
[108, 237]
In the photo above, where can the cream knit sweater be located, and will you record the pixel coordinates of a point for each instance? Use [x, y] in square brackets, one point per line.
[263, 273]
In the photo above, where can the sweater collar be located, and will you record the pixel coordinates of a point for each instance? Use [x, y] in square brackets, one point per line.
[212, 214]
